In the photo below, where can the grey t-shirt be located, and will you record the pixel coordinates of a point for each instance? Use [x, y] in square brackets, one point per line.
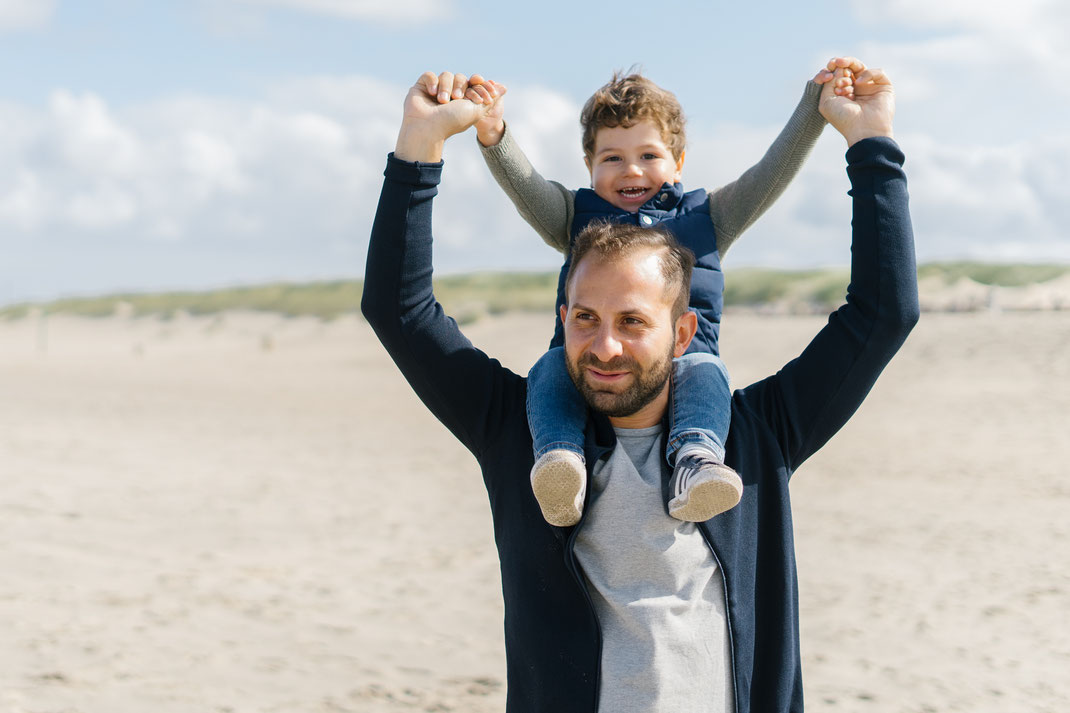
[656, 588]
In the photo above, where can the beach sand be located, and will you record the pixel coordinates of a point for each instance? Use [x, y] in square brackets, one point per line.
[249, 513]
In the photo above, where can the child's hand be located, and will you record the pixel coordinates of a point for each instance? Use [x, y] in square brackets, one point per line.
[490, 128]
[841, 71]
[859, 102]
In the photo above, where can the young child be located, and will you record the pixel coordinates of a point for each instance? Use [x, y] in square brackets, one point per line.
[633, 143]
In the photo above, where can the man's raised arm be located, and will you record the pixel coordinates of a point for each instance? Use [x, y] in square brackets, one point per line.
[457, 382]
[815, 394]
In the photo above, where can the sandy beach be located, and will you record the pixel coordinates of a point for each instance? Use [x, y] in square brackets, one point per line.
[252, 513]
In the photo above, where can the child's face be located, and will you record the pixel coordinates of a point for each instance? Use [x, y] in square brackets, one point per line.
[629, 165]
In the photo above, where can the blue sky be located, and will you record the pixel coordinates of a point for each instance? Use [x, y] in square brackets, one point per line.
[165, 144]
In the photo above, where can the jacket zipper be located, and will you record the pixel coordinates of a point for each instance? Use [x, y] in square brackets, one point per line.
[570, 544]
[727, 615]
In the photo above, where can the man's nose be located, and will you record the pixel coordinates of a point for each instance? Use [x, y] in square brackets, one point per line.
[606, 345]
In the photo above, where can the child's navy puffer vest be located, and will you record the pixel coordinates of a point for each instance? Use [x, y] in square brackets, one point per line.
[687, 216]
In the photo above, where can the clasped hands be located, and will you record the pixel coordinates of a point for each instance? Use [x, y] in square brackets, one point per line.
[858, 101]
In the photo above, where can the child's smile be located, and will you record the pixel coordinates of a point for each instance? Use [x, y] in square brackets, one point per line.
[630, 165]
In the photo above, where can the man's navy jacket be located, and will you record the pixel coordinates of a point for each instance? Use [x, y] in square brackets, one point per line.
[552, 637]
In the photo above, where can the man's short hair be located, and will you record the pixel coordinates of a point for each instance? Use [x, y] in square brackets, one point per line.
[609, 242]
[628, 99]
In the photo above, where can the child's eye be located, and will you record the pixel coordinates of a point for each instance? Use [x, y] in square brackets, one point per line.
[611, 158]
[651, 156]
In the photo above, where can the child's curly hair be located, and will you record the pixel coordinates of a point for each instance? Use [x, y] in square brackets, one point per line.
[628, 99]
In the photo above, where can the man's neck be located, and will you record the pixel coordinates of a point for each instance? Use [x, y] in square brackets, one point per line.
[649, 415]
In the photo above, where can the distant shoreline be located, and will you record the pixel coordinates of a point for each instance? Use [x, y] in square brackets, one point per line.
[944, 287]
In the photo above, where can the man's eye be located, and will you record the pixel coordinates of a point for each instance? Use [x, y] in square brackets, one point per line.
[632, 321]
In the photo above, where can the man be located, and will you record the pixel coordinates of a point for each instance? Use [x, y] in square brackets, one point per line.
[619, 614]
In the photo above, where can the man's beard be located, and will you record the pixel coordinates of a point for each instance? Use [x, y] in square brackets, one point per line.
[647, 384]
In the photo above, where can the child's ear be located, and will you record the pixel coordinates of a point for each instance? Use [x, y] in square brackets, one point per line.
[680, 166]
[587, 162]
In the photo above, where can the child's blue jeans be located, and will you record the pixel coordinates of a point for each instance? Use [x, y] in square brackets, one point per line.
[701, 405]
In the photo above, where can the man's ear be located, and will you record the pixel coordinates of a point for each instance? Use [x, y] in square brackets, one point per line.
[564, 313]
[686, 326]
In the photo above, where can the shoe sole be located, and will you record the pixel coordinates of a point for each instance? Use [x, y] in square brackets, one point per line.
[707, 499]
[557, 485]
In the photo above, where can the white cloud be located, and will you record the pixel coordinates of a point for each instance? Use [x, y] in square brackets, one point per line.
[104, 206]
[282, 186]
[23, 14]
[988, 201]
[89, 137]
[1024, 18]
[212, 161]
[286, 186]
[23, 202]
[982, 121]
[969, 200]
[1007, 50]
[413, 11]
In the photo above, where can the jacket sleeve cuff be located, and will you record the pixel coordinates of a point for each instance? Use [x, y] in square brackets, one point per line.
[876, 147]
[413, 173]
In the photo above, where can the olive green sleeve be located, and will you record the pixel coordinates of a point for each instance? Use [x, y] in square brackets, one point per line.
[735, 207]
[547, 206]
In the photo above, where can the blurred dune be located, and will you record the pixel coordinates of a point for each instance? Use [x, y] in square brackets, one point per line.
[944, 287]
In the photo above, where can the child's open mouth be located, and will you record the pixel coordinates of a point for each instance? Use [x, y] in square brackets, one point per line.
[633, 193]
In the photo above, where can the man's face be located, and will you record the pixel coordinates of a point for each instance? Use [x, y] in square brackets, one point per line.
[629, 165]
[620, 337]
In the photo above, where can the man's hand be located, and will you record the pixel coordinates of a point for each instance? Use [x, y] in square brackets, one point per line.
[436, 108]
[491, 126]
[859, 102]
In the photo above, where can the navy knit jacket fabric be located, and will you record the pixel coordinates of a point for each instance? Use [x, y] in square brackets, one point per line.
[552, 637]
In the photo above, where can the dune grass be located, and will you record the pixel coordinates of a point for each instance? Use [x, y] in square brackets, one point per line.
[326, 300]
[806, 290]
[1005, 275]
[469, 297]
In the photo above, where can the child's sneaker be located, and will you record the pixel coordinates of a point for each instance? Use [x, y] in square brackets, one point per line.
[559, 481]
[702, 486]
